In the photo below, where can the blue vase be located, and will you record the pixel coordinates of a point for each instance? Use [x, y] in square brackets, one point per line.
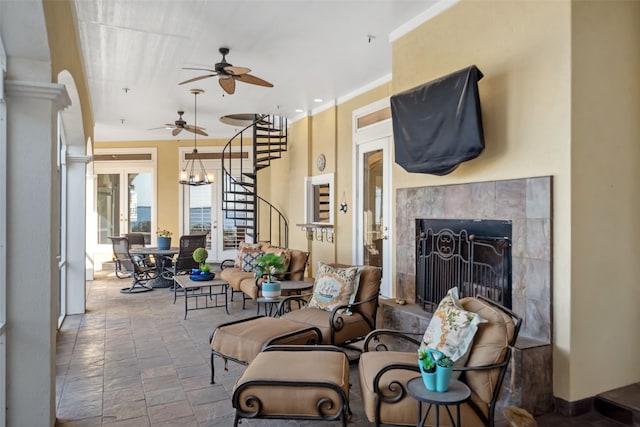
[429, 378]
[164, 243]
[271, 290]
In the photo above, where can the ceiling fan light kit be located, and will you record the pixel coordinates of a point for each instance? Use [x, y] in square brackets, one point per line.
[194, 172]
[228, 74]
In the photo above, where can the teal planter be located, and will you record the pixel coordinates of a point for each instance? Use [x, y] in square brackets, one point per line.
[271, 290]
[443, 376]
[429, 378]
[164, 243]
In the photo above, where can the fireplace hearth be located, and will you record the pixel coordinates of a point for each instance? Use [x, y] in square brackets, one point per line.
[473, 256]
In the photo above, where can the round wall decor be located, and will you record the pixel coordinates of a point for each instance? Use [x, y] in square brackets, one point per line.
[321, 162]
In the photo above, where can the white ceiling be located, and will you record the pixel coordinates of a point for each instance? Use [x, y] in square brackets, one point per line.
[307, 48]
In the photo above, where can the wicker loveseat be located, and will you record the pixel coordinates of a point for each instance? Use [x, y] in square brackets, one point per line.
[246, 282]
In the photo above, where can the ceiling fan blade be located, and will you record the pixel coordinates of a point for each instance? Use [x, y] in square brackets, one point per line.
[199, 69]
[248, 78]
[196, 129]
[176, 131]
[236, 71]
[228, 84]
[197, 78]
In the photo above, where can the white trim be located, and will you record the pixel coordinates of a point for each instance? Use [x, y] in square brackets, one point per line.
[374, 84]
[418, 20]
[3, 239]
[50, 91]
[323, 107]
[77, 158]
[309, 183]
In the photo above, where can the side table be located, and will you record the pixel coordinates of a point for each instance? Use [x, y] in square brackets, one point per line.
[458, 392]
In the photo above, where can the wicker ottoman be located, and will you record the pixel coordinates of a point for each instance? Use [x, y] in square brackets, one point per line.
[295, 382]
[241, 341]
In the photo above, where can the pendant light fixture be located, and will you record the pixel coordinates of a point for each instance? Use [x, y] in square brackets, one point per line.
[194, 172]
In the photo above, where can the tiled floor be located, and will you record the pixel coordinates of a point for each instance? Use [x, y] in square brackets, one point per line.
[132, 360]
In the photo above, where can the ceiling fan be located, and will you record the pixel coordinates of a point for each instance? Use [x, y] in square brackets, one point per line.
[228, 74]
[180, 124]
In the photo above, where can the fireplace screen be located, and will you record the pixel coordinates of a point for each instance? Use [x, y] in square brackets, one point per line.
[472, 255]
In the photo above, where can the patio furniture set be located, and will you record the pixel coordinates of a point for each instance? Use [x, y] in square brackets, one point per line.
[298, 364]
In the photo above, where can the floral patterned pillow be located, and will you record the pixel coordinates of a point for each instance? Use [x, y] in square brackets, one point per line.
[334, 286]
[452, 328]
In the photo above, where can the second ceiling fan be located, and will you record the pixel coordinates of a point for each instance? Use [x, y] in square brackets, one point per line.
[228, 74]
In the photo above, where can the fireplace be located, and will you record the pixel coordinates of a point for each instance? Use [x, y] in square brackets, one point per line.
[524, 203]
[473, 256]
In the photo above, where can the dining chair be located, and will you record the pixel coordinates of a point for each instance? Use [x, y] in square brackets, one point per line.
[126, 264]
[183, 262]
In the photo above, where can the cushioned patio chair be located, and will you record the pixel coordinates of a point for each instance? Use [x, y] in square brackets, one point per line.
[127, 265]
[345, 323]
[384, 373]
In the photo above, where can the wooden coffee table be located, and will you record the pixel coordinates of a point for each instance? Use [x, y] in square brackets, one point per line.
[197, 289]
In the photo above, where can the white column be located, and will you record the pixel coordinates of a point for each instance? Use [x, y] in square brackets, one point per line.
[76, 241]
[32, 245]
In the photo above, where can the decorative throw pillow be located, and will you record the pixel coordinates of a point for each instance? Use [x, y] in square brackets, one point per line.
[250, 260]
[334, 286]
[452, 328]
[242, 248]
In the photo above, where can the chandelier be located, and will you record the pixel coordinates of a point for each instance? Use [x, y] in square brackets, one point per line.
[194, 172]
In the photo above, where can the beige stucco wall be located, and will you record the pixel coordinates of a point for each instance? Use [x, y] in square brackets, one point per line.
[605, 196]
[523, 49]
[65, 53]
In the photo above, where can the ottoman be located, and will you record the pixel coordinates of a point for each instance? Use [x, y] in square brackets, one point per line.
[294, 382]
[241, 341]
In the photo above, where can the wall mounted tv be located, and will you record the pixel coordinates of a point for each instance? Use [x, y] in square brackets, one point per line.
[438, 125]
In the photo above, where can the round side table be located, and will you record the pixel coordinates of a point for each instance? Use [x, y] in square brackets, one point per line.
[458, 392]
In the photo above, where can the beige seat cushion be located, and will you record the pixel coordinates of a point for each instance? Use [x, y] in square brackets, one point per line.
[489, 346]
[235, 276]
[354, 325]
[244, 340]
[293, 366]
[403, 412]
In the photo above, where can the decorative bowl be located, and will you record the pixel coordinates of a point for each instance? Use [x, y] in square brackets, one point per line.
[202, 277]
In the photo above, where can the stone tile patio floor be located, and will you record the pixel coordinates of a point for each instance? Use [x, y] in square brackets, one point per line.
[132, 360]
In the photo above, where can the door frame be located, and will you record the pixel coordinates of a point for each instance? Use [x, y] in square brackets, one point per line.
[101, 251]
[378, 134]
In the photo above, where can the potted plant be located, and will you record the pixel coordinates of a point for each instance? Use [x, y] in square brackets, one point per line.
[427, 368]
[444, 367]
[164, 238]
[268, 265]
[200, 256]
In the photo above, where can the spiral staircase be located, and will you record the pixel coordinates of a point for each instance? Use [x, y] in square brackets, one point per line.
[255, 219]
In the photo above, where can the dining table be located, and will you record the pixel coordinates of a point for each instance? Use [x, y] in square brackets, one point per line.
[159, 257]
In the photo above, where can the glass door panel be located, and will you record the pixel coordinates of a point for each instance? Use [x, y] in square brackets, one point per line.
[139, 202]
[108, 207]
[372, 204]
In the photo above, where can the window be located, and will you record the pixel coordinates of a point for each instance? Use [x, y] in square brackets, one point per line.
[319, 199]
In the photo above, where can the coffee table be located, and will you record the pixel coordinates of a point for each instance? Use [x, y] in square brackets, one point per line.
[458, 392]
[197, 289]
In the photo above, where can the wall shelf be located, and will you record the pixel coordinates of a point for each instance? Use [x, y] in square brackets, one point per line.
[319, 231]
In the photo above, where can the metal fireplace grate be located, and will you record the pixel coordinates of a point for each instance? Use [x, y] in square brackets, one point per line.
[475, 263]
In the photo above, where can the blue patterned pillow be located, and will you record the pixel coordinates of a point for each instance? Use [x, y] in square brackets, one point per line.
[250, 260]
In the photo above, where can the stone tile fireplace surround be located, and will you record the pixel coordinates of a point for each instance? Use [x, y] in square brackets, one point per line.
[527, 203]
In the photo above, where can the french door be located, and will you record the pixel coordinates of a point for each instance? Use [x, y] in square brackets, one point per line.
[372, 138]
[124, 201]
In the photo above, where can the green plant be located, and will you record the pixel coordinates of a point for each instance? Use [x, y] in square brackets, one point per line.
[205, 268]
[428, 364]
[163, 232]
[445, 362]
[269, 264]
[200, 255]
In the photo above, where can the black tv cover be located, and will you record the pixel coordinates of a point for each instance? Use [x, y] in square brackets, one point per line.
[438, 125]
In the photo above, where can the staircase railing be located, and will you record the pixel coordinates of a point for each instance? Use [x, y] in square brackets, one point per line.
[240, 201]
